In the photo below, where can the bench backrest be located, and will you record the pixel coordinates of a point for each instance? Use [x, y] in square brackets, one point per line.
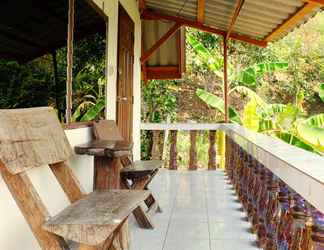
[31, 138]
[107, 130]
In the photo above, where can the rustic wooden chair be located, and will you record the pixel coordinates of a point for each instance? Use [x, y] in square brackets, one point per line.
[135, 175]
[30, 138]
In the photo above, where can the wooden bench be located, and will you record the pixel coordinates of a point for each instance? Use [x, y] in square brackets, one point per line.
[31, 138]
[136, 175]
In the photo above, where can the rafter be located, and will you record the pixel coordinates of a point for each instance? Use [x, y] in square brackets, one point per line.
[239, 5]
[200, 11]
[148, 15]
[146, 56]
[307, 8]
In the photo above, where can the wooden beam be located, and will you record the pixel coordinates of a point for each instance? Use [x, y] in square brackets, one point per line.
[307, 8]
[148, 15]
[201, 11]
[141, 6]
[239, 5]
[146, 56]
[319, 2]
[69, 183]
[226, 120]
[69, 72]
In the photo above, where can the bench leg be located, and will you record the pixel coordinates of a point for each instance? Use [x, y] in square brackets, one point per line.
[142, 218]
[119, 240]
[152, 204]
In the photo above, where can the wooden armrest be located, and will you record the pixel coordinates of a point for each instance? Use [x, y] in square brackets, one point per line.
[94, 218]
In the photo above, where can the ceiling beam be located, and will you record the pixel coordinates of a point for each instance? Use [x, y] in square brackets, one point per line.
[306, 9]
[146, 56]
[200, 11]
[149, 15]
[238, 7]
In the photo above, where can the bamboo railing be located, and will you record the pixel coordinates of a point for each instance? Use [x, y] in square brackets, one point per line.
[281, 187]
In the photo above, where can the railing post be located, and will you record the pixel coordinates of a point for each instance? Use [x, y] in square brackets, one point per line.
[193, 163]
[212, 150]
[156, 154]
[173, 150]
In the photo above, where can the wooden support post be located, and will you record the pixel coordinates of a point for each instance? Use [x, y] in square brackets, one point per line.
[56, 82]
[173, 150]
[107, 173]
[156, 154]
[225, 80]
[69, 72]
[212, 150]
[193, 163]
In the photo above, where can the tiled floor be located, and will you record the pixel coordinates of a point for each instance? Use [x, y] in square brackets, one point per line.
[200, 212]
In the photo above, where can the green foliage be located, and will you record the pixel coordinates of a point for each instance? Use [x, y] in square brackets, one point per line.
[321, 91]
[218, 103]
[159, 102]
[250, 118]
[250, 75]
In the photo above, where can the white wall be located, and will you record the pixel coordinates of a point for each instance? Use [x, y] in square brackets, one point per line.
[15, 232]
[110, 8]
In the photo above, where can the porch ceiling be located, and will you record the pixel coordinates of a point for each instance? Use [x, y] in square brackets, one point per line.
[31, 28]
[259, 20]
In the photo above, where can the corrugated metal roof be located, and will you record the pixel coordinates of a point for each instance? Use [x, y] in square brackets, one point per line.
[257, 19]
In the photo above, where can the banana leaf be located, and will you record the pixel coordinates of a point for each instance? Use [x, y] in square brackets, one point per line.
[311, 131]
[251, 94]
[272, 109]
[295, 141]
[321, 91]
[250, 117]
[214, 63]
[249, 75]
[218, 103]
[94, 111]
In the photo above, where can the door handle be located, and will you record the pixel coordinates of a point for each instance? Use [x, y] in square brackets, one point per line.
[122, 98]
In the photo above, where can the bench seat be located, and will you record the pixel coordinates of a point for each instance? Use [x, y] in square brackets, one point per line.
[96, 216]
[141, 168]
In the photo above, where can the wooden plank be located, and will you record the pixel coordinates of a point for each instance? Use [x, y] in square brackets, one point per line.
[162, 72]
[31, 138]
[31, 207]
[95, 217]
[193, 161]
[68, 181]
[107, 130]
[149, 15]
[69, 66]
[307, 9]
[146, 56]
[201, 11]
[238, 7]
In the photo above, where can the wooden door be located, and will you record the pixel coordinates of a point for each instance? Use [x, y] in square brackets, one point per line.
[125, 75]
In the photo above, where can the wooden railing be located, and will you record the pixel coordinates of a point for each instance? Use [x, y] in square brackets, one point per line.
[281, 187]
[193, 130]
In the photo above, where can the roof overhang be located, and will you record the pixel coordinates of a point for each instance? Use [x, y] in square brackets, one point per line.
[252, 21]
[32, 28]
